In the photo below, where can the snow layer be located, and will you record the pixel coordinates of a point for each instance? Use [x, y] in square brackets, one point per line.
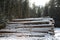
[57, 33]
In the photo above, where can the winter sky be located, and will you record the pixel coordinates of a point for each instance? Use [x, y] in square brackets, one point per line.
[38, 2]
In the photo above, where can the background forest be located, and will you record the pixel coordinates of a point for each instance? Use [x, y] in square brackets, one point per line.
[10, 9]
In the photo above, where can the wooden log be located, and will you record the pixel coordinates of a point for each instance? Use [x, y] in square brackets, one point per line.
[31, 19]
[29, 22]
[35, 26]
[19, 20]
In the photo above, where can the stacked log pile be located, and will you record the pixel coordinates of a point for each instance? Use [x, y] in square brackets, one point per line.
[29, 27]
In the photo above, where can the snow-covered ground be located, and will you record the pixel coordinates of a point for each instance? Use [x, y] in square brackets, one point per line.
[57, 33]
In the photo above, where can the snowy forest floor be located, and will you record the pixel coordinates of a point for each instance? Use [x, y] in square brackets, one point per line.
[57, 33]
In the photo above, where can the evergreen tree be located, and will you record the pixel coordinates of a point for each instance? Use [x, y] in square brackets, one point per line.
[39, 11]
[46, 12]
[34, 10]
[52, 8]
[26, 9]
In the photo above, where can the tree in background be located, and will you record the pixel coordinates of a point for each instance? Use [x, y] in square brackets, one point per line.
[53, 10]
[57, 9]
[45, 11]
[39, 11]
[2, 14]
[34, 10]
[25, 11]
[13, 9]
